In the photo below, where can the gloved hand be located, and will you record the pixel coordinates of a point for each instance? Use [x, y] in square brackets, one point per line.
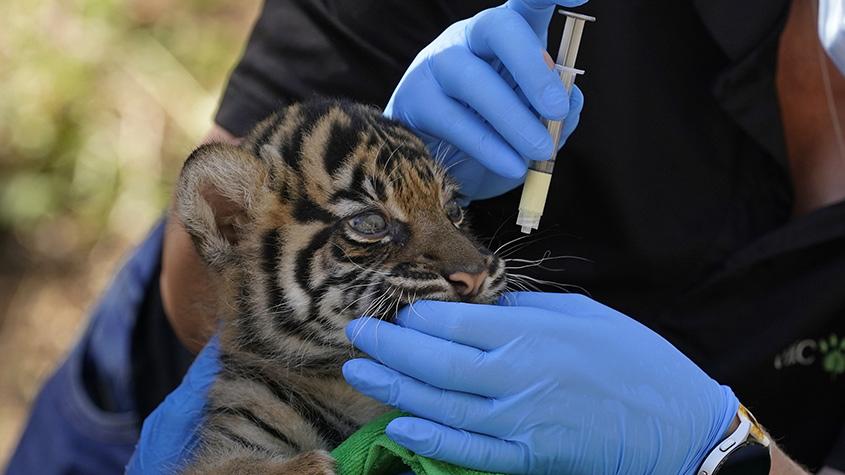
[542, 383]
[477, 87]
[170, 433]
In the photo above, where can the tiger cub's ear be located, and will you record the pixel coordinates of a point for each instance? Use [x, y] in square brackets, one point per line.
[216, 197]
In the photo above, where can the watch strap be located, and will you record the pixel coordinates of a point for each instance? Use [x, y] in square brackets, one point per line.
[748, 432]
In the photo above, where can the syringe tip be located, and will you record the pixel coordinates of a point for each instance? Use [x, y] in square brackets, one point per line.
[527, 221]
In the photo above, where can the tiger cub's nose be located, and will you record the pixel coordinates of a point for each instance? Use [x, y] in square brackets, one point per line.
[467, 284]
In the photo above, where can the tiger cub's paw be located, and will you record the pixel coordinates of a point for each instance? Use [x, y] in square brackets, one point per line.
[316, 462]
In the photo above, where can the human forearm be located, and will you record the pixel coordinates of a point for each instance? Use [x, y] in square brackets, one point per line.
[219, 134]
[186, 290]
[783, 465]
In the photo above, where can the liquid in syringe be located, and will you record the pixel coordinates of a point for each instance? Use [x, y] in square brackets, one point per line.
[536, 188]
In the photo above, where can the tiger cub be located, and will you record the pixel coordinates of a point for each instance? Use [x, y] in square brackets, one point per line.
[326, 212]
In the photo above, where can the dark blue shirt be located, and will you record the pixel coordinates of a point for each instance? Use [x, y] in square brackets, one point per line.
[76, 427]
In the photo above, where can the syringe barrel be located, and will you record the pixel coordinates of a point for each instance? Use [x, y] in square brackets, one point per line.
[539, 177]
[555, 127]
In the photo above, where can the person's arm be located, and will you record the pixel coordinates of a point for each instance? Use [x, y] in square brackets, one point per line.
[219, 134]
[187, 293]
[783, 465]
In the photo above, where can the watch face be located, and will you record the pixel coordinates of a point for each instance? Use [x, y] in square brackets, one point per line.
[748, 459]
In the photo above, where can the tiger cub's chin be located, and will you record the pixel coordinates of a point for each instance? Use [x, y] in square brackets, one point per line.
[326, 212]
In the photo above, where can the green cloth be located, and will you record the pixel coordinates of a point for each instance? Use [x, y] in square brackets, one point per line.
[370, 452]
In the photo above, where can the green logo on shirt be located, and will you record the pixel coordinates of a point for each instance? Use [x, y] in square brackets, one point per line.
[826, 353]
[832, 352]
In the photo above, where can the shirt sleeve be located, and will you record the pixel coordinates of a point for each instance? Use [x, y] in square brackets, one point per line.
[84, 419]
[357, 50]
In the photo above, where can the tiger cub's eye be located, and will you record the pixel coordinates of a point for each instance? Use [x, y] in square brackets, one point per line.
[370, 224]
[454, 212]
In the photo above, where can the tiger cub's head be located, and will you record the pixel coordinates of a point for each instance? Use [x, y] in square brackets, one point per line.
[326, 212]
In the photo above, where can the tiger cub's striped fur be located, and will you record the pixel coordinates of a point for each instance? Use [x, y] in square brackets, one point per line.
[326, 212]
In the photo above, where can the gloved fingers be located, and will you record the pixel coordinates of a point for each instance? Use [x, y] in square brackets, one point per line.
[438, 362]
[460, 322]
[443, 117]
[452, 408]
[570, 123]
[459, 447]
[472, 81]
[538, 13]
[501, 34]
[576, 105]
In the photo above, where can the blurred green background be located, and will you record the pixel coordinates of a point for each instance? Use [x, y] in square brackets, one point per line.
[100, 101]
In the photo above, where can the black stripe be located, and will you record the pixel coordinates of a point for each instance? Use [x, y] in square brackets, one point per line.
[425, 171]
[262, 139]
[342, 140]
[355, 190]
[408, 269]
[307, 211]
[286, 192]
[499, 280]
[245, 413]
[375, 291]
[341, 280]
[424, 290]
[417, 274]
[284, 322]
[373, 141]
[308, 408]
[374, 250]
[303, 258]
[315, 365]
[380, 188]
[291, 149]
[358, 176]
[346, 194]
[270, 250]
[240, 440]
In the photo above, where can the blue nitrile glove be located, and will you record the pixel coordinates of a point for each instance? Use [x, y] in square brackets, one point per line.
[170, 433]
[472, 95]
[542, 383]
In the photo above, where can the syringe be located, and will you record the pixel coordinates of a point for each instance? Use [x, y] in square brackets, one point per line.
[539, 177]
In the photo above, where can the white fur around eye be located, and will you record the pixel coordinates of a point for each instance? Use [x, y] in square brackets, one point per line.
[345, 207]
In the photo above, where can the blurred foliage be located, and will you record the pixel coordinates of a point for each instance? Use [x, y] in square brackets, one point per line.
[100, 100]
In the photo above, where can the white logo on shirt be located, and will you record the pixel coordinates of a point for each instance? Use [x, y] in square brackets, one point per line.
[829, 352]
[801, 353]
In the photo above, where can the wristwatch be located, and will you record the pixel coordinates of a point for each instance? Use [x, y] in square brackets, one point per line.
[749, 442]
